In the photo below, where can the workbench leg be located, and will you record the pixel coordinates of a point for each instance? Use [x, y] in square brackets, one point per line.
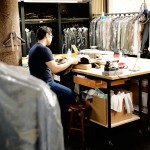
[140, 104]
[109, 114]
[148, 103]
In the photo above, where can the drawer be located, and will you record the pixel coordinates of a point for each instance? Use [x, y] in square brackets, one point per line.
[87, 82]
[95, 83]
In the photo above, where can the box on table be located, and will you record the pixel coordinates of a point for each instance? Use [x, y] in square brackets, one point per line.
[99, 111]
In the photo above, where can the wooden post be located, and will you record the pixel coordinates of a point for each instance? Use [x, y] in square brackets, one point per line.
[9, 22]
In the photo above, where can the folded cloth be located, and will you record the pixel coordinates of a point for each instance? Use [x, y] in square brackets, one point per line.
[128, 103]
[120, 101]
[114, 102]
[117, 100]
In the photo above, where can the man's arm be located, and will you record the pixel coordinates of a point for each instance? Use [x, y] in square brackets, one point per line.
[55, 67]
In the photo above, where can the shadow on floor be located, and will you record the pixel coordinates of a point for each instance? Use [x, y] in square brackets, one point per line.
[124, 137]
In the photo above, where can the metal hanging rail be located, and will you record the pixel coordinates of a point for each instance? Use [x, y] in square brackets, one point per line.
[127, 13]
[113, 14]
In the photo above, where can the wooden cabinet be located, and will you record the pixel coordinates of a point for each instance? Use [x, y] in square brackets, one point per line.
[55, 15]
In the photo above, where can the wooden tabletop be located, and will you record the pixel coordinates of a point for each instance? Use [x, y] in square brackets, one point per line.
[136, 66]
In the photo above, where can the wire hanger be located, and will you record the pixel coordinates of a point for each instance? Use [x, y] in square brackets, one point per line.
[13, 38]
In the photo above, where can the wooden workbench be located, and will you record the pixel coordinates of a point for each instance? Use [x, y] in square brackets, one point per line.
[142, 67]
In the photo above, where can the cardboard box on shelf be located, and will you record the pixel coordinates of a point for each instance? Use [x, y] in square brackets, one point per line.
[99, 111]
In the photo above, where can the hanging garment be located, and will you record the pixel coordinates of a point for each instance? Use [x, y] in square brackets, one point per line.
[145, 38]
[75, 36]
[116, 33]
[92, 34]
[33, 38]
[28, 39]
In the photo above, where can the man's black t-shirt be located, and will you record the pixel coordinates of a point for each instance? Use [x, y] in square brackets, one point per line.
[38, 56]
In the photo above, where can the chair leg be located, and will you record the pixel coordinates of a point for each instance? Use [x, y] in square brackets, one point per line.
[82, 126]
[70, 125]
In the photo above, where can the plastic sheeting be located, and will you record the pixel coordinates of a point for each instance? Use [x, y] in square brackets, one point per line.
[29, 112]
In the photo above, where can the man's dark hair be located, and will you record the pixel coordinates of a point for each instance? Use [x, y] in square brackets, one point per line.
[41, 32]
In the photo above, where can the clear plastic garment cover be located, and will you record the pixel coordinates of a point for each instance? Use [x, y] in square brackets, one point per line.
[30, 113]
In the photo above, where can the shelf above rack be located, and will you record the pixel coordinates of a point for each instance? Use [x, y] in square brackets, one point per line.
[39, 21]
[66, 20]
[63, 20]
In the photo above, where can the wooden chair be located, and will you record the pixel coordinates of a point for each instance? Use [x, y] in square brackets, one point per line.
[77, 119]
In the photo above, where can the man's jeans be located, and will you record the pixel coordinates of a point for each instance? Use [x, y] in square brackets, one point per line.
[65, 97]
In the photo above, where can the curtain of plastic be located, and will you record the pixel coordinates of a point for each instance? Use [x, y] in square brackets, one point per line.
[29, 112]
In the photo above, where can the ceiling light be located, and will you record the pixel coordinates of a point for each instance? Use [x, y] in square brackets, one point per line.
[55, 1]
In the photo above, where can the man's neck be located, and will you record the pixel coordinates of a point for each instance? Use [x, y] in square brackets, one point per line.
[43, 42]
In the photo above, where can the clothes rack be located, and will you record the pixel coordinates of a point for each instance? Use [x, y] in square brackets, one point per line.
[107, 34]
[54, 15]
[107, 14]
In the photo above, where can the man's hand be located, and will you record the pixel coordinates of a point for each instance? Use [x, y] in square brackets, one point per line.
[75, 60]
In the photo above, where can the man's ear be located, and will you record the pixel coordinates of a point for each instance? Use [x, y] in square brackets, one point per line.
[46, 35]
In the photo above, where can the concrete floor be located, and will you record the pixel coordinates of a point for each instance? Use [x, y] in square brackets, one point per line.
[124, 137]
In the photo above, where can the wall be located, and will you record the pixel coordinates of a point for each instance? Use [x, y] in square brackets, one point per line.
[97, 6]
[126, 5]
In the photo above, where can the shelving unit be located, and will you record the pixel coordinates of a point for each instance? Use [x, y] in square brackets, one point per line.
[115, 119]
[55, 15]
